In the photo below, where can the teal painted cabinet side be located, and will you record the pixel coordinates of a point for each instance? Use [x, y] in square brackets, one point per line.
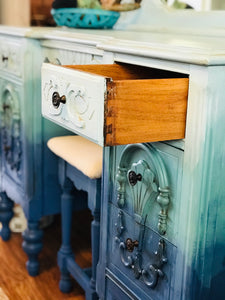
[203, 190]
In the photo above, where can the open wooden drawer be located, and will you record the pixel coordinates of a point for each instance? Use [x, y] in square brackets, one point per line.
[116, 104]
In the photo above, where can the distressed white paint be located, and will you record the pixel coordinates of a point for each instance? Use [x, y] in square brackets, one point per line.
[84, 116]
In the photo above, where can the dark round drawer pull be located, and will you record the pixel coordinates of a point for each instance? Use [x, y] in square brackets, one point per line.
[56, 99]
[134, 178]
[131, 244]
[4, 58]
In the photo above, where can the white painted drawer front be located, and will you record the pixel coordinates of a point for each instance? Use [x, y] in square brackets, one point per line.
[11, 56]
[84, 109]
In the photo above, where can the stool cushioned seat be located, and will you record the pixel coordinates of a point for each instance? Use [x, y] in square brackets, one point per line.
[79, 152]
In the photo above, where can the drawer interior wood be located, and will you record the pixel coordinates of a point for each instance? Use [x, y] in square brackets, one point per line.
[141, 104]
[125, 71]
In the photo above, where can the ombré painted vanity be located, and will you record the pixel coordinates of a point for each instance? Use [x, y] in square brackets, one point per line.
[29, 170]
[162, 217]
[160, 118]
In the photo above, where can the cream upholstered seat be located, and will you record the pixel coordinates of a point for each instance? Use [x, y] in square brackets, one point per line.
[79, 152]
[80, 170]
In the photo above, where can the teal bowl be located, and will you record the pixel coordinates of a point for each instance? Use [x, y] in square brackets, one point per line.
[85, 17]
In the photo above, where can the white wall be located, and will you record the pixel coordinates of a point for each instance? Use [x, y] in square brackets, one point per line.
[202, 4]
[218, 4]
[15, 12]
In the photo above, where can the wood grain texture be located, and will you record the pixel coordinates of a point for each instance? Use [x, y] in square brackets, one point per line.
[16, 284]
[141, 104]
[145, 110]
[124, 71]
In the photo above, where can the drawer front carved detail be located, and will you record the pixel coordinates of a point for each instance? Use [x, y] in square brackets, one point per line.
[131, 255]
[147, 183]
[152, 273]
[78, 104]
[76, 100]
[55, 62]
[11, 128]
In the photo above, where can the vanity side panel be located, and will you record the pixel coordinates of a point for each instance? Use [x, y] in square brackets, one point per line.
[203, 190]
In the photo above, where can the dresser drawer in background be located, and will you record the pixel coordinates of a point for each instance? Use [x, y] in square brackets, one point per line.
[116, 104]
[12, 55]
[59, 56]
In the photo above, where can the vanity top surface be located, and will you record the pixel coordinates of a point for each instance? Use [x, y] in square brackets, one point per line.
[188, 48]
[203, 50]
[14, 31]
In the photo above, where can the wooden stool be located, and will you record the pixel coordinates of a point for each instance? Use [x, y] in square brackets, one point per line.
[80, 169]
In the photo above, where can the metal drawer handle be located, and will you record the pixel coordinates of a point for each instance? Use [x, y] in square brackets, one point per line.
[131, 244]
[6, 106]
[134, 178]
[56, 99]
[7, 148]
[152, 273]
[127, 262]
[4, 58]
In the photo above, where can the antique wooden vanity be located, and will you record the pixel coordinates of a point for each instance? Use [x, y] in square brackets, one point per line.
[29, 170]
[162, 205]
[162, 233]
[154, 99]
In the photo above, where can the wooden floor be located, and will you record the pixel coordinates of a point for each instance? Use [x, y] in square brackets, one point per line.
[16, 284]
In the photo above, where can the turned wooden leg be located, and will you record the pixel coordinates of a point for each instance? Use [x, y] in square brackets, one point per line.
[32, 245]
[6, 214]
[95, 233]
[67, 198]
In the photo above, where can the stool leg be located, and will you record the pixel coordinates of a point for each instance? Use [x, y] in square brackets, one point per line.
[67, 198]
[32, 245]
[95, 233]
[6, 214]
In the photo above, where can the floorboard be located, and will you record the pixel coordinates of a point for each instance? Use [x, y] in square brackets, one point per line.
[16, 284]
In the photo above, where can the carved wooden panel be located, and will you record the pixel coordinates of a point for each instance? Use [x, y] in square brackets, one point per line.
[141, 250]
[148, 183]
[11, 141]
[140, 255]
